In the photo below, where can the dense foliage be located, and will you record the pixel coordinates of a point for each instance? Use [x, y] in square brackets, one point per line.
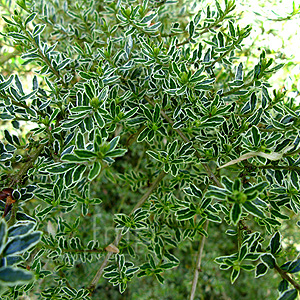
[141, 138]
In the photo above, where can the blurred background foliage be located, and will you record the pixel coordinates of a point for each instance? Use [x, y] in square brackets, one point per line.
[276, 29]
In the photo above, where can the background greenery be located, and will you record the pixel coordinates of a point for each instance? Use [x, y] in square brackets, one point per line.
[119, 194]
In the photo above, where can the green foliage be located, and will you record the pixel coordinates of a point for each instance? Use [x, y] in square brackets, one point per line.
[141, 126]
[15, 241]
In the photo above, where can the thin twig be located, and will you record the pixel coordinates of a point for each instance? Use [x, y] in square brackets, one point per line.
[279, 167]
[19, 178]
[118, 238]
[20, 104]
[208, 170]
[243, 86]
[198, 265]
[285, 276]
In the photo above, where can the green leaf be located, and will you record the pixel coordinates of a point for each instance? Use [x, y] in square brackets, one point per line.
[243, 252]
[11, 276]
[5, 156]
[94, 172]
[248, 267]
[237, 185]
[79, 141]
[228, 184]
[191, 29]
[116, 153]
[17, 36]
[72, 158]
[253, 209]
[82, 153]
[103, 94]
[261, 270]
[216, 192]
[30, 18]
[255, 136]
[78, 172]
[22, 243]
[13, 260]
[149, 17]
[239, 72]
[71, 123]
[63, 64]
[275, 243]
[6, 83]
[80, 109]
[3, 234]
[113, 143]
[60, 168]
[69, 292]
[43, 213]
[235, 213]
[110, 79]
[99, 120]
[256, 188]
[268, 259]
[176, 69]
[153, 155]
[195, 191]
[289, 295]
[294, 266]
[159, 278]
[89, 89]
[143, 134]
[156, 113]
[169, 265]
[283, 286]
[147, 112]
[234, 275]
[20, 228]
[185, 214]
[38, 29]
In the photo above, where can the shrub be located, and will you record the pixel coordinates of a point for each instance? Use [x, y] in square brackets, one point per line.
[141, 127]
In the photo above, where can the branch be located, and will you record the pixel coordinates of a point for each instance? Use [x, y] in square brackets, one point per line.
[44, 57]
[205, 29]
[297, 168]
[149, 192]
[132, 138]
[20, 104]
[118, 238]
[232, 91]
[285, 276]
[19, 178]
[208, 170]
[92, 251]
[198, 265]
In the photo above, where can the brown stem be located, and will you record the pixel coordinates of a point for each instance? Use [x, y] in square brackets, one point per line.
[93, 251]
[292, 153]
[205, 29]
[208, 170]
[118, 238]
[285, 276]
[245, 85]
[132, 138]
[297, 168]
[149, 192]
[20, 104]
[45, 58]
[19, 178]
[198, 265]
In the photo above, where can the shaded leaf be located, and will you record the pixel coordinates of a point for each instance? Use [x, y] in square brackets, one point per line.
[22, 243]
